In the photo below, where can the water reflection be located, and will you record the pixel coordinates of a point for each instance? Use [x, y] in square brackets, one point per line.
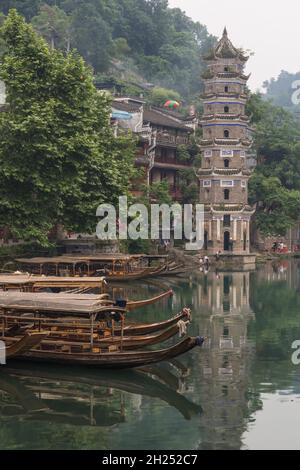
[225, 362]
[224, 396]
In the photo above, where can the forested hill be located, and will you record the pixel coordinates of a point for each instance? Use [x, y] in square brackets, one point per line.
[283, 89]
[139, 41]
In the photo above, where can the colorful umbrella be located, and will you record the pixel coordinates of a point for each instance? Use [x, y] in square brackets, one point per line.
[171, 104]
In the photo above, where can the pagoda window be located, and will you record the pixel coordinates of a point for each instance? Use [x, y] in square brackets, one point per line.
[226, 163]
[226, 69]
[227, 221]
[226, 89]
[226, 194]
[226, 134]
[226, 109]
[225, 329]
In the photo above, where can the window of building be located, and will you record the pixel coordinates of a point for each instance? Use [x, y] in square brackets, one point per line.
[226, 163]
[226, 69]
[227, 220]
[244, 184]
[226, 194]
[226, 89]
[226, 109]
[207, 184]
[226, 134]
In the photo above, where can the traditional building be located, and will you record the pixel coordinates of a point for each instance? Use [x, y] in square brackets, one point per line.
[224, 172]
[160, 134]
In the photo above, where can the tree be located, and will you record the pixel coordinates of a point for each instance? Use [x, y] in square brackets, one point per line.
[164, 45]
[92, 37]
[278, 209]
[159, 96]
[275, 186]
[27, 8]
[54, 25]
[281, 90]
[58, 158]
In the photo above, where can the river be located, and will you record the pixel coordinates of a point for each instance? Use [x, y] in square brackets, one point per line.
[240, 391]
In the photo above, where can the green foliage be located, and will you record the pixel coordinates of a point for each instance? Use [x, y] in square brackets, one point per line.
[54, 25]
[281, 90]
[121, 48]
[160, 192]
[183, 154]
[164, 44]
[278, 208]
[159, 96]
[275, 187]
[189, 186]
[56, 140]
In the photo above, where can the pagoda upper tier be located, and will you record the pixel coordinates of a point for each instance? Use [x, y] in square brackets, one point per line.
[226, 50]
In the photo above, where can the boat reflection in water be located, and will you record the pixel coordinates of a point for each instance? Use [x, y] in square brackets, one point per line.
[89, 398]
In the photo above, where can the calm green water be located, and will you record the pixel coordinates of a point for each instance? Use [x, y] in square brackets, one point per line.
[240, 392]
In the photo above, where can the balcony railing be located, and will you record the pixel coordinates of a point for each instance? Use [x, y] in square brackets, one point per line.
[172, 161]
[172, 139]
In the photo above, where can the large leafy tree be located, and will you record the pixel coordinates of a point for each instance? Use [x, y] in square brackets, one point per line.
[58, 158]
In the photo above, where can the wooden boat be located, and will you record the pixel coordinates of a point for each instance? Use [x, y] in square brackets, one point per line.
[82, 340]
[111, 360]
[115, 267]
[134, 304]
[135, 275]
[28, 282]
[129, 330]
[29, 341]
[37, 306]
[146, 329]
[57, 304]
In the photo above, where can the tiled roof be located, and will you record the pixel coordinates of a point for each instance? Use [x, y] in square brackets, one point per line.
[153, 115]
[160, 118]
[129, 107]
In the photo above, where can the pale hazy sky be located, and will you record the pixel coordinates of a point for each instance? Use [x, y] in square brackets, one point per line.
[270, 29]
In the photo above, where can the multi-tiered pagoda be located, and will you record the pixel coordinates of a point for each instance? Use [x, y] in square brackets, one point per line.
[226, 140]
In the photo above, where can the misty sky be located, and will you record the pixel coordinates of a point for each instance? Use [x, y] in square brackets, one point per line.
[268, 28]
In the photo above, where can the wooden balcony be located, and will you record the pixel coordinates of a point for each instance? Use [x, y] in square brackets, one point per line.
[170, 140]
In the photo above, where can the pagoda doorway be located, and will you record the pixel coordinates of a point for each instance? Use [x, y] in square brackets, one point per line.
[226, 241]
[205, 241]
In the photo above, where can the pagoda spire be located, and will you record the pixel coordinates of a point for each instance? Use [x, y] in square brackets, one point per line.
[225, 34]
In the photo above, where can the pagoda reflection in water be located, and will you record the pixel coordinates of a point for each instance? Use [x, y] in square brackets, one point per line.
[225, 361]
